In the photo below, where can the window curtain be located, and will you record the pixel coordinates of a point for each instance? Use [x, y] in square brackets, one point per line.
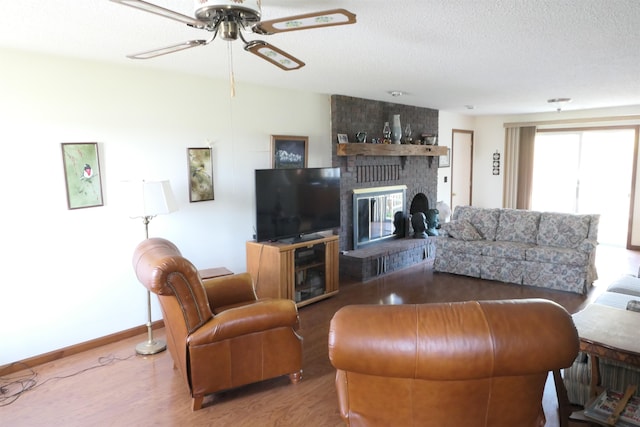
[518, 167]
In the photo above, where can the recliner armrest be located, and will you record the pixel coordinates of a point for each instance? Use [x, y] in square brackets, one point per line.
[233, 290]
[257, 317]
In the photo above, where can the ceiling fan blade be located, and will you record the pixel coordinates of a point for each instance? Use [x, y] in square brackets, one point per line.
[306, 21]
[276, 56]
[152, 8]
[169, 49]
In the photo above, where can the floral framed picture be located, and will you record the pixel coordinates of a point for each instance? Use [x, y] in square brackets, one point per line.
[81, 165]
[289, 152]
[200, 174]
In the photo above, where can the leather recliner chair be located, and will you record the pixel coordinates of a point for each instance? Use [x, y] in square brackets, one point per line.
[219, 334]
[477, 363]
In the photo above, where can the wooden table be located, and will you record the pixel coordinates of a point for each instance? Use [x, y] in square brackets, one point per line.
[605, 332]
[610, 333]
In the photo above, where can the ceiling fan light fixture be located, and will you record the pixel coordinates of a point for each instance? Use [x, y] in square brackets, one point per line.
[229, 30]
[230, 17]
[559, 102]
[272, 54]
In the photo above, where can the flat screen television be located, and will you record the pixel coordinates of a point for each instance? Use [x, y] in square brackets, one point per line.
[295, 204]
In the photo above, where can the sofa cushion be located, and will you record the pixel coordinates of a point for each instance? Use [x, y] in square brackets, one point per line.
[485, 220]
[562, 230]
[506, 250]
[461, 230]
[629, 285]
[517, 225]
[614, 299]
[552, 255]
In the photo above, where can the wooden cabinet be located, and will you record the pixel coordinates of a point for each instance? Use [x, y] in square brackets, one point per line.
[304, 272]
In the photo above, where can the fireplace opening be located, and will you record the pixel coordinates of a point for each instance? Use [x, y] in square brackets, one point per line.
[373, 213]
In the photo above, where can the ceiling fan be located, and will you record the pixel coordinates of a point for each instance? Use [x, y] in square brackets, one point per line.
[229, 18]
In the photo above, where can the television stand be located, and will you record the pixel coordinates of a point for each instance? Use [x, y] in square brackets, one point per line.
[304, 271]
[301, 238]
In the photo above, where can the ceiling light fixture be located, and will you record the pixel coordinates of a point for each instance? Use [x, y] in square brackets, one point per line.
[559, 102]
[395, 93]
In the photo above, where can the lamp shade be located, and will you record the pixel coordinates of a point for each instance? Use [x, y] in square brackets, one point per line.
[150, 198]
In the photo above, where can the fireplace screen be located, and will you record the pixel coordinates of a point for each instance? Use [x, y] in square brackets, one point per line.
[373, 213]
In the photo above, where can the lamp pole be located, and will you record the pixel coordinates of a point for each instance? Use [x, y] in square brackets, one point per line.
[151, 345]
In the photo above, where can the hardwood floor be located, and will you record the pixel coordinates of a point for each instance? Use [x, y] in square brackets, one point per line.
[111, 386]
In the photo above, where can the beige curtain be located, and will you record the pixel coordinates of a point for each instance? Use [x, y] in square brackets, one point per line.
[518, 167]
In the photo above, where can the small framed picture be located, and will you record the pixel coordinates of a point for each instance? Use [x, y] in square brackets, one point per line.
[443, 161]
[289, 152]
[342, 138]
[200, 174]
[82, 174]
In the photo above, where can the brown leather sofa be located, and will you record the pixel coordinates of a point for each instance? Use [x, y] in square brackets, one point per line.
[477, 363]
[219, 334]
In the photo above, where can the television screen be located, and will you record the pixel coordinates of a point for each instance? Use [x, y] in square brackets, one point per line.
[292, 203]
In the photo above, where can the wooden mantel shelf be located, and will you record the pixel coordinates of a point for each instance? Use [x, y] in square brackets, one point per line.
[364, 149]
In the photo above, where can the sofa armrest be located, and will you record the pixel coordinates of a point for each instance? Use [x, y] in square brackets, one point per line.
[233, 290]
[260, 316]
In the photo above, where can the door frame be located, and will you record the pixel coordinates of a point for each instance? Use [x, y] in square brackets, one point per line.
[452, 162]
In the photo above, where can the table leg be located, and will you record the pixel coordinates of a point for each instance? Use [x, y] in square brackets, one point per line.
[564, 407]
[594, 386]
[568, 414]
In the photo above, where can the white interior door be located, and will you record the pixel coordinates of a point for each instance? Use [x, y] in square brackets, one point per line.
[461, 167]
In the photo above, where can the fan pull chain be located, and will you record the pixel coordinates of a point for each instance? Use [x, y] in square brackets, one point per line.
[232, 80]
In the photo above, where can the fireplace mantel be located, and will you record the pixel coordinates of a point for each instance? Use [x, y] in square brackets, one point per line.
[364, 149]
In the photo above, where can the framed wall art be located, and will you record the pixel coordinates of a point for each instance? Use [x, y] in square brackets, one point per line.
[289, 152]
[443, 161]
[200, 174]
[81, 165]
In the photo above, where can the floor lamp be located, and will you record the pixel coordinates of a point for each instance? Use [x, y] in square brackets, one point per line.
[148, 199]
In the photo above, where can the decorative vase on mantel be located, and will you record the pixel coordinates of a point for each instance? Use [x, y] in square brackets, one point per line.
[396, 129]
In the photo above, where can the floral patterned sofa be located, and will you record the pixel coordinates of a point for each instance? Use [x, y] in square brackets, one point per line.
[544, 249]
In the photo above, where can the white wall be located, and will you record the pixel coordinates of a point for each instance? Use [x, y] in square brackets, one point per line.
[66, 274]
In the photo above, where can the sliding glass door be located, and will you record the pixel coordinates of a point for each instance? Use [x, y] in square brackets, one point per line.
[586, 171]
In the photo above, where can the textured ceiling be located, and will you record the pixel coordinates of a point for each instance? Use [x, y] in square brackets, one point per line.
[500, 56]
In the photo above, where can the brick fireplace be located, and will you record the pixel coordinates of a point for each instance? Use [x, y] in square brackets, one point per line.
[418, 173]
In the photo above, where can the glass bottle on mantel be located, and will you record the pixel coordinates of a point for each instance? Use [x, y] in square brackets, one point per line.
[386, 133]
[407, 134]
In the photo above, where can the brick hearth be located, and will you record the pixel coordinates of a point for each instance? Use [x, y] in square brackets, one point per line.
[376, 260]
